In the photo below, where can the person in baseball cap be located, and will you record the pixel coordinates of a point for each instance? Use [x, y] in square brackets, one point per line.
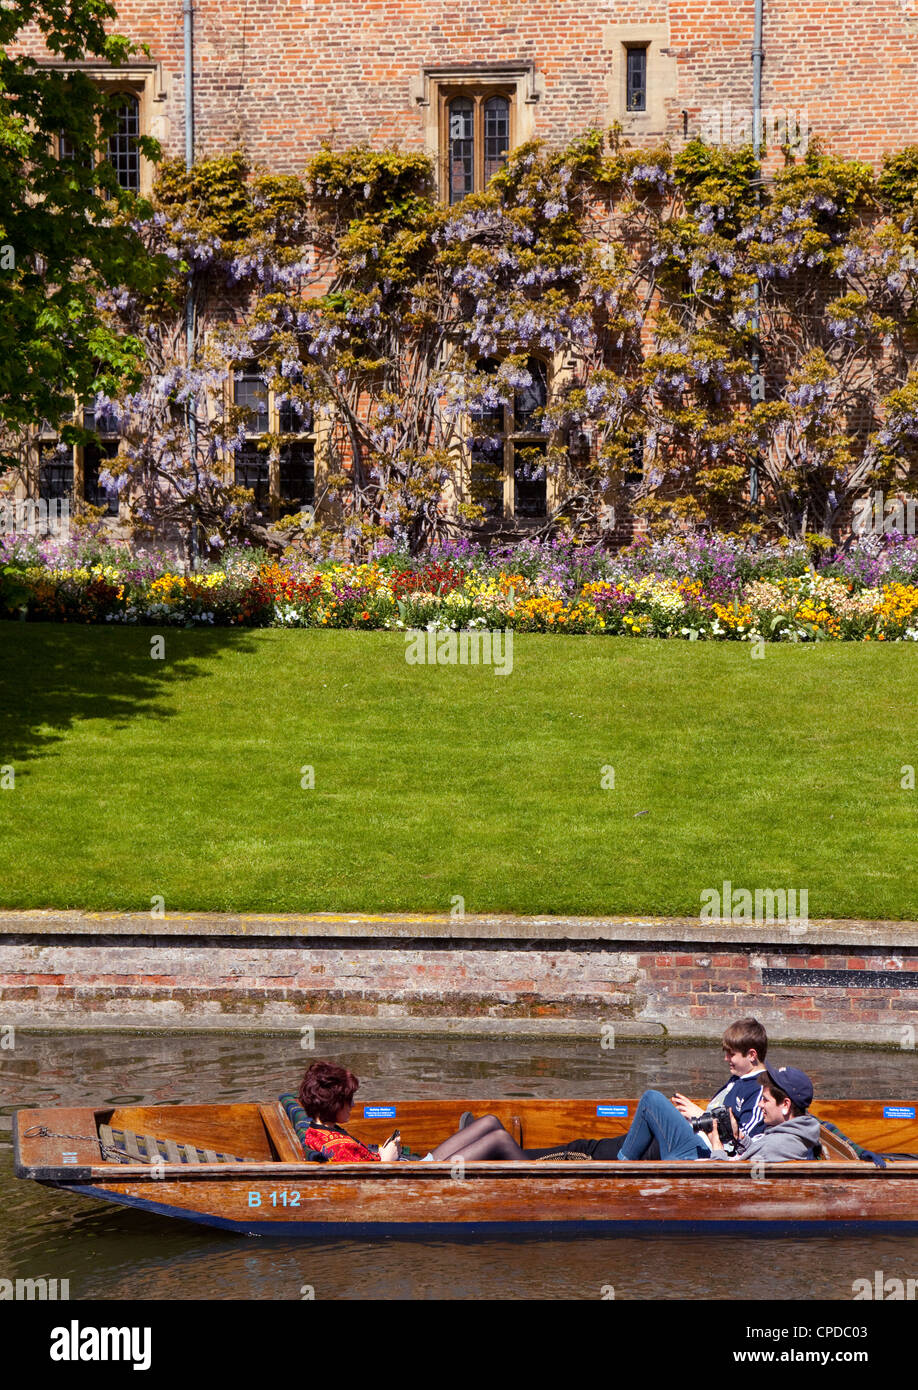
[795, 1084]
[791, 1132]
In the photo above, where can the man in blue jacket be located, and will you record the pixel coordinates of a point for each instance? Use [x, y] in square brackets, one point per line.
[745, 1044]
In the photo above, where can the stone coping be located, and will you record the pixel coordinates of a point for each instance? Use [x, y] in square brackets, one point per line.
[683, 1032]
[650, 931]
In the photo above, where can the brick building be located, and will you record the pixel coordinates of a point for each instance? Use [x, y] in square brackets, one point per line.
[466, 81]
[280, 77]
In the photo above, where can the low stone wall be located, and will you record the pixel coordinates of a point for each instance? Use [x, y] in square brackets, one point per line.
[616, 977]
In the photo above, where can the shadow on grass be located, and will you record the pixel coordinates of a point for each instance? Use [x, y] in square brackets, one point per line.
[54, 677]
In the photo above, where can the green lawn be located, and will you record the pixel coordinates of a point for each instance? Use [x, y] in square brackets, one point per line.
[181, 778]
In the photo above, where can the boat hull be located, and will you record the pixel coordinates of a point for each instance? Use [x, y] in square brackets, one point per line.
[273, 1194]
[547, 1203]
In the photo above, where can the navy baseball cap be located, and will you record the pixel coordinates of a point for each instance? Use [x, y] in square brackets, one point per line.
[793, 1083]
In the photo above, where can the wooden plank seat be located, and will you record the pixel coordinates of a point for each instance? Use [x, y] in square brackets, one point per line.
[147, 1148]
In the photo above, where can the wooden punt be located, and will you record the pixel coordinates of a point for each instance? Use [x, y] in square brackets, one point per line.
[276, 1192]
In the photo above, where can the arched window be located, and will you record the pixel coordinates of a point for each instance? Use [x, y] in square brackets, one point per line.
[461, 148]
[123, 151]
[477, 139]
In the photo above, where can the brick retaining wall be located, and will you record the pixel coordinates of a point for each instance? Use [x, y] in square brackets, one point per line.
[839, 981]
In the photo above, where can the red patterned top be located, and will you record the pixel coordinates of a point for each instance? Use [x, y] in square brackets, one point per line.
[337, 1145]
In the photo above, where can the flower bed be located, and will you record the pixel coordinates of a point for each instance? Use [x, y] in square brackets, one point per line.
[696, 588]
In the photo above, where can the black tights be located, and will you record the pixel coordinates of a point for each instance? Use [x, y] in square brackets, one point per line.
[484, 1138]
[487, 1138]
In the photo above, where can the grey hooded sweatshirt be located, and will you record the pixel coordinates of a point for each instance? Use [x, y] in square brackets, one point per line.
[794, 1138]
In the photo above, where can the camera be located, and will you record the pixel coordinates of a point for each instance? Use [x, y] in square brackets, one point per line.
[719, 1116]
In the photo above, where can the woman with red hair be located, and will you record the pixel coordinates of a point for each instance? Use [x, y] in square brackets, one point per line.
[327, 1096]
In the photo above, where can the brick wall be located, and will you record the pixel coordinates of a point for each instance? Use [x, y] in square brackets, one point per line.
[279, 76]
[564, 977]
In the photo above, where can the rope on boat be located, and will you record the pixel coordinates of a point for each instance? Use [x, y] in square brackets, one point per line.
[40, 1132]
[563, 1154]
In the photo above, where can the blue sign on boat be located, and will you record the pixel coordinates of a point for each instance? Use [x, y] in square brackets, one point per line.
[379, 1112]
[898, 1112]
[612, 1111]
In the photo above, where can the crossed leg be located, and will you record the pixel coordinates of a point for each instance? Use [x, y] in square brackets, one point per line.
[483, 1138]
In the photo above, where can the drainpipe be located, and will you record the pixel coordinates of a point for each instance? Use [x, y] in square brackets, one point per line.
[188, 18]
[758, 380]
[757, 55]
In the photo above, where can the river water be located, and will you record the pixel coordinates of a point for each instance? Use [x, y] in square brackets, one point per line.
[111, 1253]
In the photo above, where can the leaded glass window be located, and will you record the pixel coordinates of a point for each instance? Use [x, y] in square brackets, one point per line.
[477, 135]
[297, 476]
[486, 454]
[251, 393]
[636, 95]
[252, 471]
[290, 421]
[496, 134]
[95, 459]
[55, 478]
[123, 150]
[508, 448]
[102, 421]
[66, 150]
[529, 481]
[529, 400]
[461, 148]
[282, 477]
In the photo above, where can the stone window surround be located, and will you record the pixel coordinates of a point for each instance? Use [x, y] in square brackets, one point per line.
[661, 76]
[45, 438]
[519, 80]
[144, 81]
